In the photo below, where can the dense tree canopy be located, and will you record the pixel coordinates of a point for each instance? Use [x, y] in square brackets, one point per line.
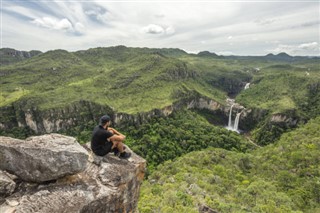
[282, 177]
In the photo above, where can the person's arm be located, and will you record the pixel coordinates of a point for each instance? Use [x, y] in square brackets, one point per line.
[115, 132]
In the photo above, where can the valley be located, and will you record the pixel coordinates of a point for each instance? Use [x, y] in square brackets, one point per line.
[229, 131]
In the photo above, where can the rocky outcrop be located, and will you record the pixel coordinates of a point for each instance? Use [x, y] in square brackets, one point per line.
[178, 71]
[280, 118]
[123, 119]
[42, 158]
[203, 103]
[111, 186]
[9, 56]
[24, 115]
[251, 117]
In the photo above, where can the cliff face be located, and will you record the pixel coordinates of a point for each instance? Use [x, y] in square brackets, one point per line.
[20, 115]
[40, 122]
[113, 185]
[9, 56]
[193, 103]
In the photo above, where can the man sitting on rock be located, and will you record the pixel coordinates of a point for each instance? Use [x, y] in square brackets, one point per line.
[106, 139]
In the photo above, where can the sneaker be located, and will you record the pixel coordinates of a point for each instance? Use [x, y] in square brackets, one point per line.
[125, 155]
[116, 151]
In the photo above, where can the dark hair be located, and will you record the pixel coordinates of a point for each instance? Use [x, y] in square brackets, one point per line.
[104, 119]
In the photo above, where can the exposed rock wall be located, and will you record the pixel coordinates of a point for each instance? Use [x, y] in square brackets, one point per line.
[20, 114]
[83, 112]
[122, 119]
[111, 186]
[9, 56]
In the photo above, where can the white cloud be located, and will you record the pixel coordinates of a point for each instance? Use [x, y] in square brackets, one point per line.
[60, 25]
[309, 46]
[157, 29]
[312, 47]
[79, 28]
[153, 29]
[52, 23]
[192, 26]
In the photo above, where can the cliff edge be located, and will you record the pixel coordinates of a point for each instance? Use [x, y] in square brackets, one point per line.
[53, 173]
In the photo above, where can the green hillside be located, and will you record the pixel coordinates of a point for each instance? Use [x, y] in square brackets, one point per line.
[123, 78]
[134, 80]
[127, 79]
[285, 87]
[283, 177]
[194, 163]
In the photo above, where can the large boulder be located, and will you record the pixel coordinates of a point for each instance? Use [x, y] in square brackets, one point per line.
[113, 185]
[42, 158]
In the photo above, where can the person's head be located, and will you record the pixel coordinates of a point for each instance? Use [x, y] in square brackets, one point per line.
[105, 121]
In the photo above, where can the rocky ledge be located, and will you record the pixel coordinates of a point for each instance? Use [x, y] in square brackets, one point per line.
[74, 181]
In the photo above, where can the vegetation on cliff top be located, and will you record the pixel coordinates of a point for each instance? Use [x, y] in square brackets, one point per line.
[282, 177]
[140, 79]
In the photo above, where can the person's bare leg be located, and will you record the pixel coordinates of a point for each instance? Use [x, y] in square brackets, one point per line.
[120, 147]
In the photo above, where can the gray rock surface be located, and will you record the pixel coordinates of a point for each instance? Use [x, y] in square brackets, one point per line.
[111, 186]
[7, 185]
[42, 158]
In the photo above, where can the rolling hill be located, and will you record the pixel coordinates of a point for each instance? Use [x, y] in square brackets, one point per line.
[140, 80]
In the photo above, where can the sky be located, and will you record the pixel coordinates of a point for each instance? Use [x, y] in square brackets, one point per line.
[223, 27]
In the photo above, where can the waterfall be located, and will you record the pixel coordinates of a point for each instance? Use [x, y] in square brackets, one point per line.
[230, 122]
[247, 86]
[236, 122]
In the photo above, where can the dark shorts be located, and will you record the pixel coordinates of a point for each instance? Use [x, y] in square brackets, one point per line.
[103, 150]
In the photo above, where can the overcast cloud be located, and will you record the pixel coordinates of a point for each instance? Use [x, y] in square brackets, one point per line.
[223, 27]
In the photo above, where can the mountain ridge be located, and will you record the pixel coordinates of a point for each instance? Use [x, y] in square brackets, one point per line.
[7, 53]
[142, 80]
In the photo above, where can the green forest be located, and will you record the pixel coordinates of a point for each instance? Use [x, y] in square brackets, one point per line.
[165, 139]
[281, 177]
[193, 162]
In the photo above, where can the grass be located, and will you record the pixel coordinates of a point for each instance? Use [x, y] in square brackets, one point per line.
[7, 98]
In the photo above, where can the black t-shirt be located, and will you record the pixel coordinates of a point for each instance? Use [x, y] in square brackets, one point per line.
[99, 143]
